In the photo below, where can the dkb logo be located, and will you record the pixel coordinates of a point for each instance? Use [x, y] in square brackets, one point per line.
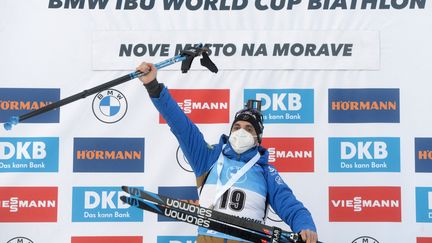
[102, 204]
[367, 154]
[29, 154]
[284, 105]
[424, 204]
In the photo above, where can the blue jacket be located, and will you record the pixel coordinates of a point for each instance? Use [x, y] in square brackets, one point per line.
[202, 156]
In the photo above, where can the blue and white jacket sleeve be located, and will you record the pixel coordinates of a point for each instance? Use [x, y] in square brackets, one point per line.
[199, 154]
[285, 204]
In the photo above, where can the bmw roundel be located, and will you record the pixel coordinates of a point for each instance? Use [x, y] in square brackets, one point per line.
[110, 106]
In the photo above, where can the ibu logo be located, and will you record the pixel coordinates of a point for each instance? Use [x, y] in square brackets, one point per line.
[29, 154]
[368, 154]
[284, 105]
[176, 239]
[102, 204]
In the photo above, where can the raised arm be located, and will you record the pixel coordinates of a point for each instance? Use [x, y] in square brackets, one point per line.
[199, 154]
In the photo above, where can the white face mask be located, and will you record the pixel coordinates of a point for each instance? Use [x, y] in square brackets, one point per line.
[241, 140]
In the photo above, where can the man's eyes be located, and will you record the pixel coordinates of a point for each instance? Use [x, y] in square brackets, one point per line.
[248, 129]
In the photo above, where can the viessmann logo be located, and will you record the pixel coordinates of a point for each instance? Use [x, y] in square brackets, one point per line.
[108, 155]
[284, 105]
[203, 105]
[363, 105]
[365, 204]
[28, 204]
[107, 239]
[291, 154]
[18, 101]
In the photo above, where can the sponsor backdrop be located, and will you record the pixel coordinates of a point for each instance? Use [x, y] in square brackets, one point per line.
[346, 97]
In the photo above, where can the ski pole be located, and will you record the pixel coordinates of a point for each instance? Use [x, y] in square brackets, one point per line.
[185, 57]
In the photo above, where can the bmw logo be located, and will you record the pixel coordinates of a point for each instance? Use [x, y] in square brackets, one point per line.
[365, 239]
[110, 106]
[20, 240]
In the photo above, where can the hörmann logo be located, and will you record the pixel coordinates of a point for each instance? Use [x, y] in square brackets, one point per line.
[423, 155]
[28, 204]
[284, 105]
[102, 204]
[107, 239]
[108, 155]
[203, 105]
[27, 154]
[365, 204]
[186, 193]
[363, 105]
[291, 154]
[424, 204]
[18, 101]
[366, 154]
